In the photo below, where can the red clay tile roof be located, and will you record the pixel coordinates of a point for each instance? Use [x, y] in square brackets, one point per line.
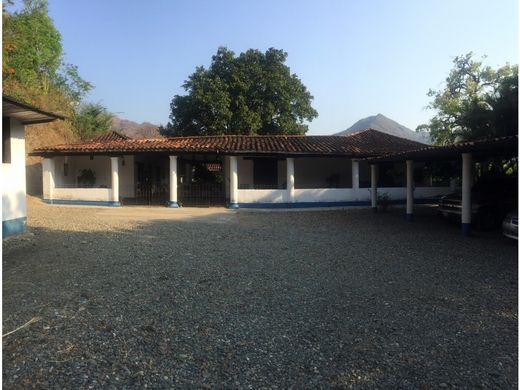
[364, 143]
[491, 147]
[109, 137]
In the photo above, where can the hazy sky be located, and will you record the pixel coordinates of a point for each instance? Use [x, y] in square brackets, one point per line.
[358, 58]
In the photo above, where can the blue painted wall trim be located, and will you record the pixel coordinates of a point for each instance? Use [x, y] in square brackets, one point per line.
[298, 205]
[14, 226]
[173, 205]
[83, 202]
[236, 205]
[466, 229]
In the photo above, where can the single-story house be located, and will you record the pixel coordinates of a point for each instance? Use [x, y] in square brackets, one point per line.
[15, 115]
[232, 170]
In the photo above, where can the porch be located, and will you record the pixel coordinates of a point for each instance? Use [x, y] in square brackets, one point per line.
[244, 181]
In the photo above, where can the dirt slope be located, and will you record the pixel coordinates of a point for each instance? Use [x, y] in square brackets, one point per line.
[57, 132]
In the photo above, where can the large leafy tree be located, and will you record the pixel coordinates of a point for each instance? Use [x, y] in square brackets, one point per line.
[477, 102]
[252, 93]
[32, 59]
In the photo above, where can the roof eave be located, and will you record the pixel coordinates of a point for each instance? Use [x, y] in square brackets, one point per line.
[26, 113]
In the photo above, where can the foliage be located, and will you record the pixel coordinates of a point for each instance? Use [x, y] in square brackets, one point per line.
[92, 119]
[253, 93]
[32, 60]
[477, 102]
[86, 179]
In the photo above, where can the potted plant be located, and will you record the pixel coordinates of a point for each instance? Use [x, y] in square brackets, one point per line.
[86, 178]
[383, 201]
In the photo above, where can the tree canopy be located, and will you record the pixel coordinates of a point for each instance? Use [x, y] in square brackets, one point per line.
[252, 93]
[477, 102]
[34, 70]
[92, 119]
[32, 55]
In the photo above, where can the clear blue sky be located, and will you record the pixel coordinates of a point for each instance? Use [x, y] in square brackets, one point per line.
[357, 58]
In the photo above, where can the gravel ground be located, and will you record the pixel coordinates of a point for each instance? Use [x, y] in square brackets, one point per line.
[159, 298]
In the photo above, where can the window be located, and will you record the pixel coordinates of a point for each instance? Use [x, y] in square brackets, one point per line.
[265, 173]
[6, 140]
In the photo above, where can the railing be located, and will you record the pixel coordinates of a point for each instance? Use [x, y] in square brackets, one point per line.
[196, 195]
[261, 186]
[149, 194]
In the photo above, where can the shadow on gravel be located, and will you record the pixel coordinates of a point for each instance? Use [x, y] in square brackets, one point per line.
[343, 298]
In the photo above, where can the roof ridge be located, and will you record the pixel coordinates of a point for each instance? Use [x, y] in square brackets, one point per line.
[106, 135]
[360, 131]
[385, 134]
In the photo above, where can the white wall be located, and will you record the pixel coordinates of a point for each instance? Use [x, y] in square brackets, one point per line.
[127, 177]
[263, 196]
[100, 165]
[245, 172]
[13, 176]
[102, 169]
[335, 194]
[325, 195]
[89, 194]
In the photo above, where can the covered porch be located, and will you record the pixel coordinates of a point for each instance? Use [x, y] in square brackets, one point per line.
[233, 170]
[471, 160]
[243, 181]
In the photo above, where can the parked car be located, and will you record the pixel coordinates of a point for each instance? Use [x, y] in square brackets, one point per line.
[491, 199]
[510, 225]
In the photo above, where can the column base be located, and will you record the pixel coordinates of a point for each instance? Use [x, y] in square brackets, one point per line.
[114, 203]
[173, 205]
[233, 206]
[409, 217]
[466, 229]
[374, 209]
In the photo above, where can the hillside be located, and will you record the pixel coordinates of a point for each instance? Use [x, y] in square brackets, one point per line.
[45, 134]
[386, 125]
[134, 129]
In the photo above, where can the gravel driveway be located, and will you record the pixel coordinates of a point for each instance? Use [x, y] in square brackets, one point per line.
[160, 298]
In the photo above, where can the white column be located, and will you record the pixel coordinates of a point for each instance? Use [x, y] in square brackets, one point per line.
[225, 161]
[355, 175]
[290, 179]
[173, 182]
[373, 183]
[233, 187]
[409, 190]
[114, 163]
[48, 179]
[467, 181]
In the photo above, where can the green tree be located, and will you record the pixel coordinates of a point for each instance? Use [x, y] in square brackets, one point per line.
[253, 93]
[477, 102]
[92, 119]
[32, 62]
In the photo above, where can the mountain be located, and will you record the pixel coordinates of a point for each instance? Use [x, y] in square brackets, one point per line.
[386, 125]
[134, 129]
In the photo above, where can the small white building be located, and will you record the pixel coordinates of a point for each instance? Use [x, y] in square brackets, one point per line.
[15, 115]
[237, 171]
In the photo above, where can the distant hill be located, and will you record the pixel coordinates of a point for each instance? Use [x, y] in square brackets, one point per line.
[386, 125]
[134, 129]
